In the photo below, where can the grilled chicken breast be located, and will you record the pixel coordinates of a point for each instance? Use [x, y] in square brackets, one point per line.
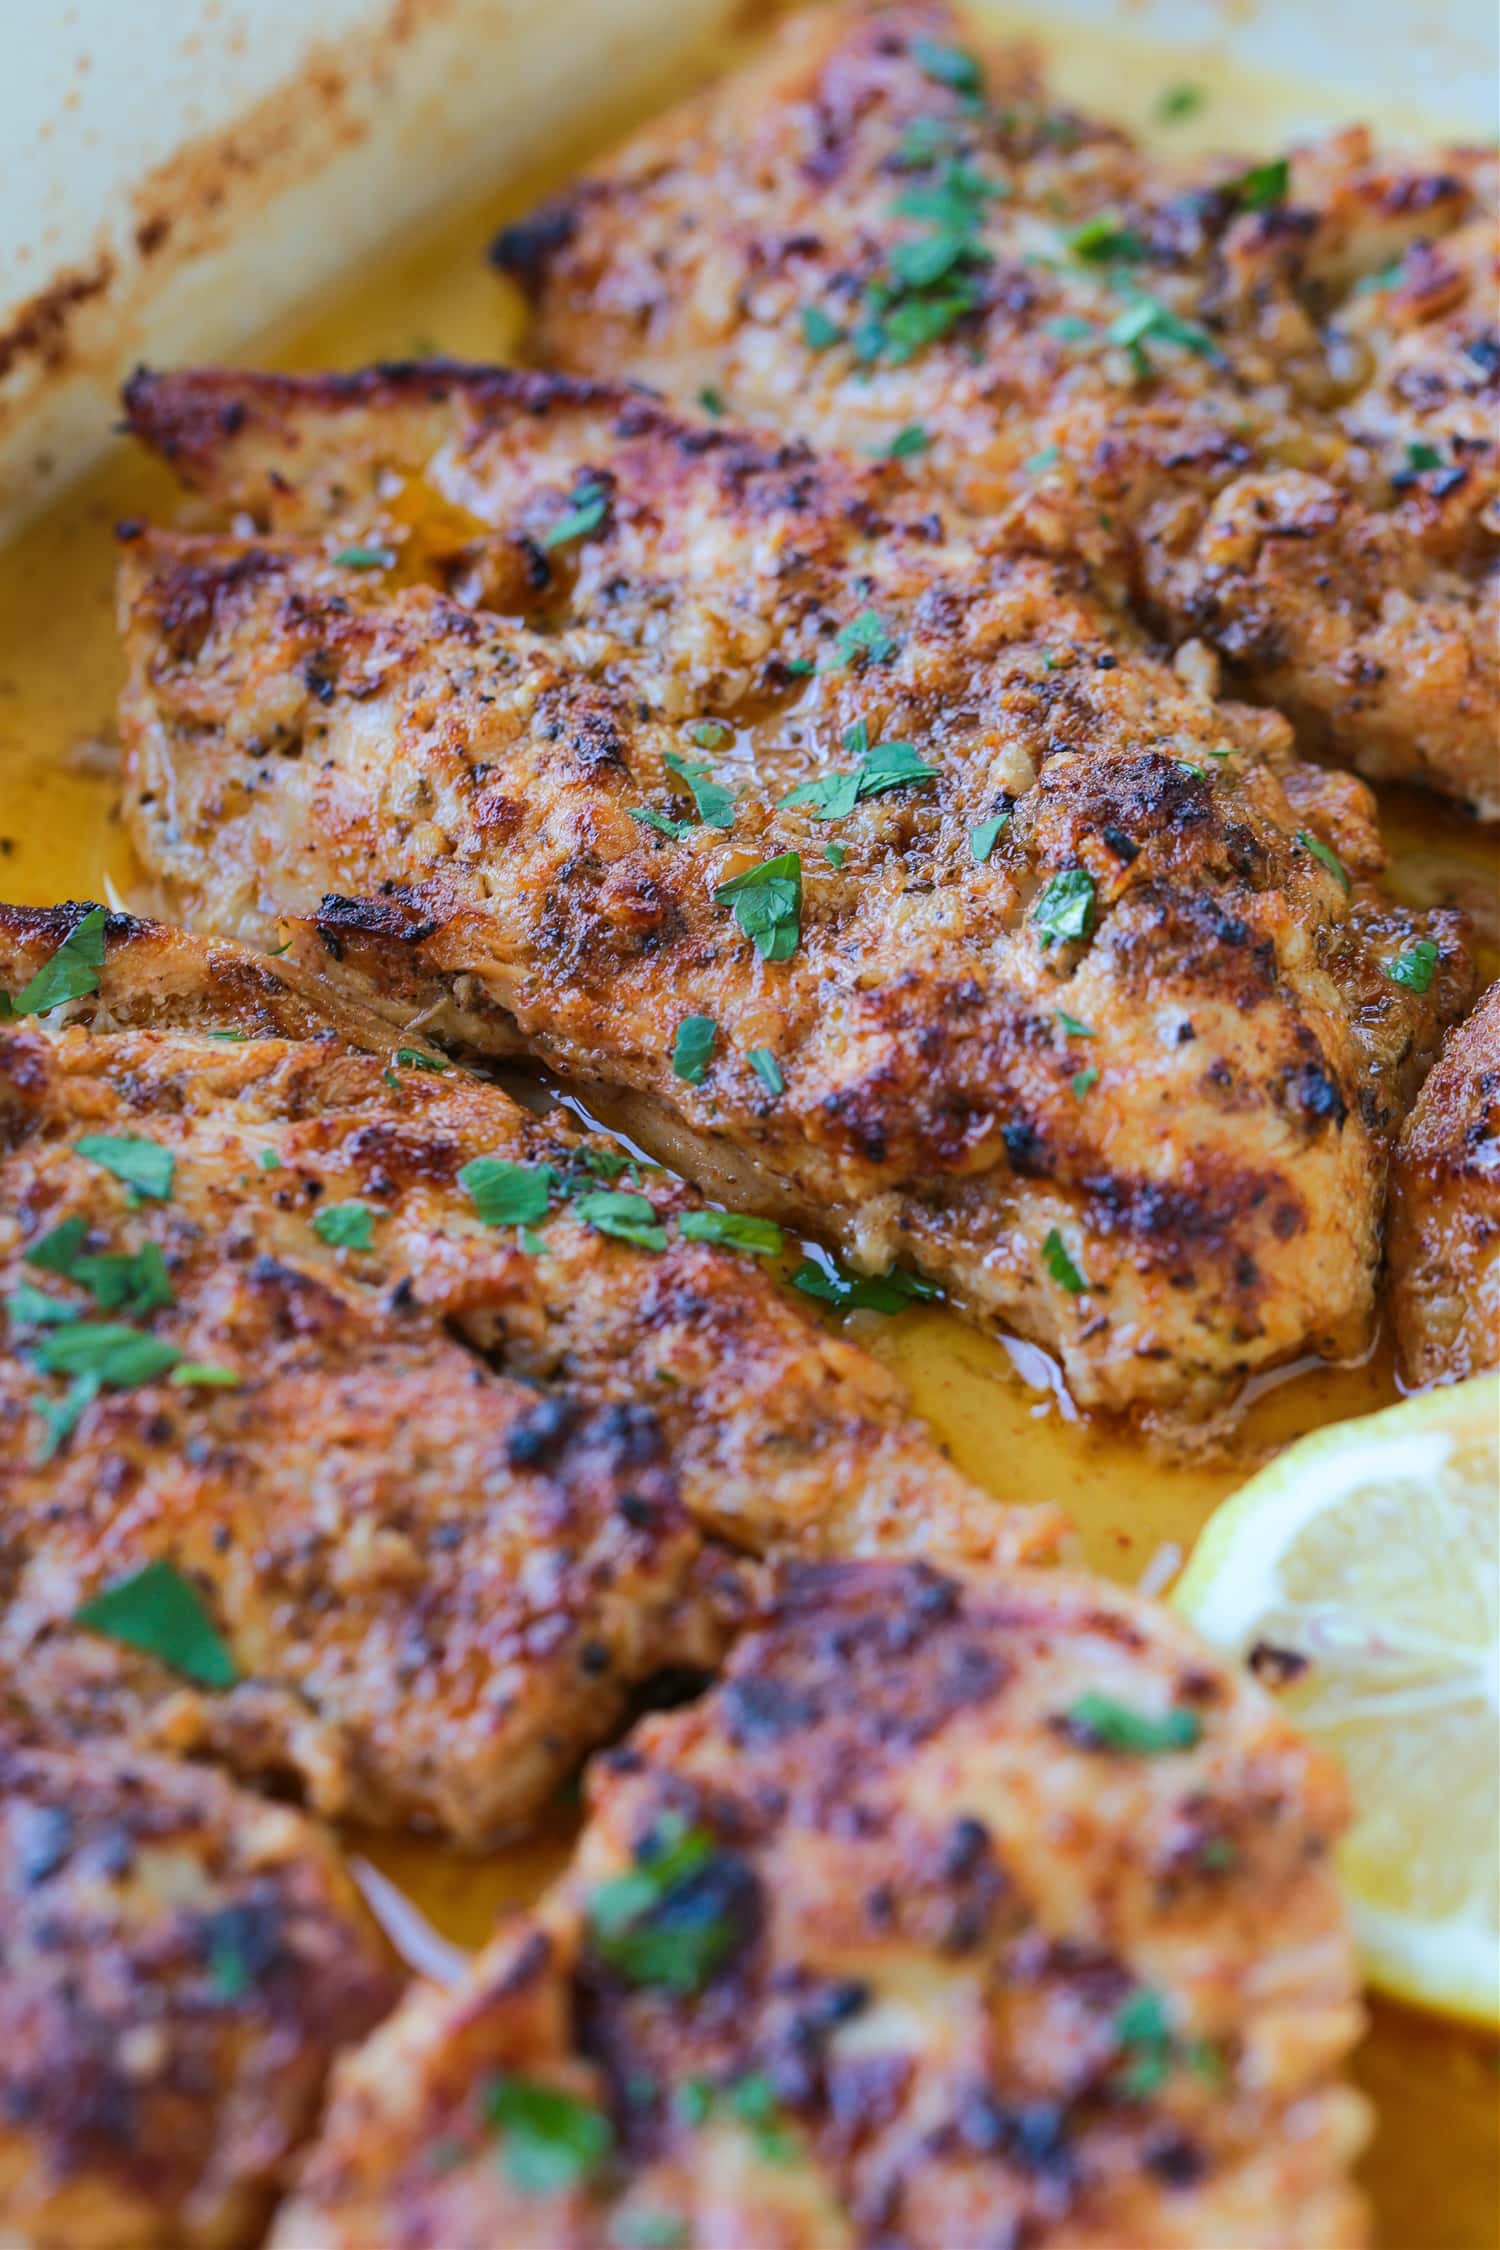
[179, 1962]
[1262, 399]
[440, 1493]
[1445, 1211]
[1019, 958]
[963, 1910]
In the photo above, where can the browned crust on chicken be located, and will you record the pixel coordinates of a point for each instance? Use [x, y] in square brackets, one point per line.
[1294, 457]
[462, 1497]
[1444, 1244]
[976, 1977]
[454, 748]
[179, 1963]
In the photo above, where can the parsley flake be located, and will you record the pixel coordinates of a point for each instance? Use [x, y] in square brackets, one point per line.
[413, 1058]
[733, 1230]
[1083, 1080]
[106, 1353]
[832, 1283]
[711, 401]
[1065, 908]
[628, 1218]
[551, 2141]
[1072, 1026]
[1099, 1722]
[1325, 857]
[818, 330]
[712, 801]
[767, 903]
[907, 442]
[1041, 462]
[1178, 102]
[984, 837]
[1420, 457]
[144, 1166]
[767, 1069]
[676, 1916]
[345, 1226]
[70, 973]
[159, 1611]
[868, 637]
[1262, 185]
[1414, 967]
[1104, 239]
[588, 504]
[711, 734]
[56, 1251]
[1061, 1266]
[508, 1194]
[693, 1048]
[365, 558]
[953, 67]
[890, 765]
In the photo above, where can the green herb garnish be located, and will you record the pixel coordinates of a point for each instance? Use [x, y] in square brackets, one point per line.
[984, 837]
[665, 1922]
[1420, 457]
[693, 1048]
[1104, 239]
[1083, 1080]
[70, 973]
[832, 1283]
[1061, 1266]
[1104, 1724]
[767, 903]
[890, 765]
[1065, 908]
[345, 1226]
[767, 1069]
[588, 504]
[628, 1218]
[144, 1166]
[1325, 857]
[1262, 185]
[158, 1610]
[1072, 1026]
[413, 1058]
[713, 802]
[868, 637]
[733, 1230]
[552, 2141]
[508, 1195]
[818, 330]
[907, 442]
[1179, 102]
[365, 558]
[1414, 967]
[953, 67]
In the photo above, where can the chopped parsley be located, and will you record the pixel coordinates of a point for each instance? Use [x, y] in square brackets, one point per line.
[890, 765]
[867, 637]
[1387, 277]
[832, 1283]
[1072, 1026]
[33, 1308]
[551, 2141]
[733, 1230]
[412, 1058]
[767, 1069]
[1065, 908]
[508, 1195]
[1147, 320]
[55, 1251]
[984, 837]
[1420, 457]
[588, 504]
[1178, 102]
[199, 1375]
[1061, 1266]
[948, 66]
[1105, 240]
[1414, 967]
[365, 558]
[767, 903]
[676, 1916]
[1083, 1080]
[131, 1282]
[1101, 1723]
[628, 1218]
[1041, 462]
[145, 1166]
[711, 401]
[105, 1353]
[345, 1226]
[818, 330]
[649, 818]
[268, 1160]
[158, 1610]
[693, 1048]
[711, 734]
[1325, 857]
[1262, 185]
[835, 854]
[1145, 2036]
[752, 2101]
[70, 973]
[906, 442]
[712, 801]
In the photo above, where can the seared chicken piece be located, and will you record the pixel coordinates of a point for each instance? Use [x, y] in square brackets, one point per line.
[420, 1500]
[1262, 399]
[179, 1963]
[1444, 1243]
[965, 1910]
[1021, 960]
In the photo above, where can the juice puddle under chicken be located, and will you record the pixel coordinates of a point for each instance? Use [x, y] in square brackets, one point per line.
[1435, 2162]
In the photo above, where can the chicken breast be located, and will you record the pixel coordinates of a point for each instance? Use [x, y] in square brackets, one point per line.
[359, 1431]
[1445, 1212]
[963, 1910]
[1012, 955]
[1262, 398]
[179, 1963]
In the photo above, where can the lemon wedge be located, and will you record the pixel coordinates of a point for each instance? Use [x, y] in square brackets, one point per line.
[1359, 1575]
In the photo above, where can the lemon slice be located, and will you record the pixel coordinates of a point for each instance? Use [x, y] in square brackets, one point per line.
[1360, 1576]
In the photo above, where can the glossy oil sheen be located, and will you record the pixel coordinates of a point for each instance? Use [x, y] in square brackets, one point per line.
[1434, 2169]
